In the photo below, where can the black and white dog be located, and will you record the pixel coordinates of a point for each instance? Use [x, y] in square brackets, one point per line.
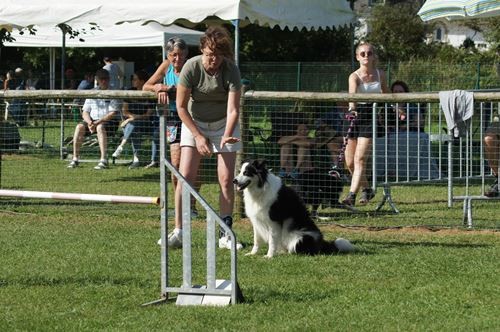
[279, 216]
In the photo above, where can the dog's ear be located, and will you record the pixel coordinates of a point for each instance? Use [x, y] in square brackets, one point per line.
[261, 163]
[246, 160]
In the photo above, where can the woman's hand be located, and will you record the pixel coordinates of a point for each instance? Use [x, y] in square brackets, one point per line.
[161, 92]
[125, 122]
[228, 140]
[202, 146]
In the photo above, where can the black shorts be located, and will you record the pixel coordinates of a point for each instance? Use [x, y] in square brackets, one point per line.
[363, 124]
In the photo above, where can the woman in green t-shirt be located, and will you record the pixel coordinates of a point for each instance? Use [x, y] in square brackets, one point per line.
[208, 103]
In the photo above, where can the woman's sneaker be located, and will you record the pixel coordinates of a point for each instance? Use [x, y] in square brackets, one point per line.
[73, 164]
[225, 243]
[350, 199]
[103, 164]
[366, 195]
[493, 191]
[135, 164]
[151, 165]
[174, 240]
[117, 152]
[225, 240]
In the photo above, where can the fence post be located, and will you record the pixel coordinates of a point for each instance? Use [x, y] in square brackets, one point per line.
[299, 64]
[244, 121]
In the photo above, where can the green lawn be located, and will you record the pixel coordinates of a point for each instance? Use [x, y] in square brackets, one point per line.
[89, 266]
[71, 268]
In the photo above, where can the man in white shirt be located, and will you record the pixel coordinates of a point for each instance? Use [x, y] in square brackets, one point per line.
[99, 116]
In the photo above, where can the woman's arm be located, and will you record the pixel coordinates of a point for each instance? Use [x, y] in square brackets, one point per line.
[155, 84]
[182, 99]
[353, 86]
[233, 113]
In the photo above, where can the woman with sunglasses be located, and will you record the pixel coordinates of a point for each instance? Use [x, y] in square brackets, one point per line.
[366, 79]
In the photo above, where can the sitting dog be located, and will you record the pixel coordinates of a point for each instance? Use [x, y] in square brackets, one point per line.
[279, 216]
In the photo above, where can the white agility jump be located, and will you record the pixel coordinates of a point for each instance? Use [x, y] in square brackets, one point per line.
[81, 197]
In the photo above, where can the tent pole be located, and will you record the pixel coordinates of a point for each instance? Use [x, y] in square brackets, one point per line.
[52, 70]
[236, 24]
[63, 56]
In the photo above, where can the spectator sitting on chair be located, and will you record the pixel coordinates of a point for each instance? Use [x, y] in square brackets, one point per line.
[329, 131]
[99, 116]
[411, 116]
[491, 149]
[138, 120]
[303, 143]
[87, 83]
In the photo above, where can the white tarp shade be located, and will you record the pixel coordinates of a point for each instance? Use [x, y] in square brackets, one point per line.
[309, 14]
[123, 35]
[459, 9]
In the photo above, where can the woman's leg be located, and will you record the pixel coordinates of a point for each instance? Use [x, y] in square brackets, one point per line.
[127, 132]
[225, 172]
[349, 154]
[286, 157]
[361, 156]
[491, 144]
[155, 143]
[175, 160]
[188, 167]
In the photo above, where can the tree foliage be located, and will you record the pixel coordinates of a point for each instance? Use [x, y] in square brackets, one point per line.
[273, 44]
[398, 32]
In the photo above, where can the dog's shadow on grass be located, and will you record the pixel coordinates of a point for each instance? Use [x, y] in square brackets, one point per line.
[263, 295]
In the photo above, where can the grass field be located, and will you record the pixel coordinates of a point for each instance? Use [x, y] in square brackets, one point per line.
[86, 270]
[89, 266]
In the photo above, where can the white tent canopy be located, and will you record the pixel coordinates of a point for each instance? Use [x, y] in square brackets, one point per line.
[123, 35]
[309, 14]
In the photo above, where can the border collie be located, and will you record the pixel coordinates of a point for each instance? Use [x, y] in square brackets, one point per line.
[279, 216]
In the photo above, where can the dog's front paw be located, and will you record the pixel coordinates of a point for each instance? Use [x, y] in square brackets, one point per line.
[269, 255]
[253, 252]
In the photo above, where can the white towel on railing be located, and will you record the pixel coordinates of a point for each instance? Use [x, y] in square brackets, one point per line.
[458, 109]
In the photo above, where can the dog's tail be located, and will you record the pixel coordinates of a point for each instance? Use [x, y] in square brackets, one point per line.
[339, 246]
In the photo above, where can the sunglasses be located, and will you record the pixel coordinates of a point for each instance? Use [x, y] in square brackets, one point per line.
[367, 54]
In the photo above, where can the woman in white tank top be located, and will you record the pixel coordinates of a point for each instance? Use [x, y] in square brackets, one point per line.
[366, 79]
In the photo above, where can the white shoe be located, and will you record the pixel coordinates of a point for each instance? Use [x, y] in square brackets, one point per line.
[117, 152]
[73, 164]
[174, 240]
[225, 243]
[103, 164]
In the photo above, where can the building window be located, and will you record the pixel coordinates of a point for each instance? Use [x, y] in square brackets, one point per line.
[439, 34]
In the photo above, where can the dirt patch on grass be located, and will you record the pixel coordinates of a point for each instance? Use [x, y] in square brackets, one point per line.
[440, 230]
[417, 229]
